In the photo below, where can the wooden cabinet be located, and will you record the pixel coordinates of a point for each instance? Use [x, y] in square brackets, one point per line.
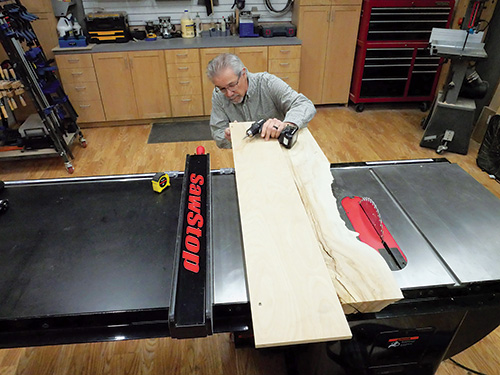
[116, 85]
[133, 85]
[184, 79]
[328, 33]
[207, 54]
[80, 84]
[150, 83]
[254, 58]
[284, 62]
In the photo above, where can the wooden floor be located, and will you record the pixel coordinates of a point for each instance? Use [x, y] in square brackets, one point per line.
[344, 136]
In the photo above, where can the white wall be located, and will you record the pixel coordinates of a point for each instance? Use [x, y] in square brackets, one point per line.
[140, 11]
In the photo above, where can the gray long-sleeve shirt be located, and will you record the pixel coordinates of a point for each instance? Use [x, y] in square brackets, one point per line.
[267, 97]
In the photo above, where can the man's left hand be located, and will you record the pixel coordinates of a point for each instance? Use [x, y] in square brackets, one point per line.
[272, 128]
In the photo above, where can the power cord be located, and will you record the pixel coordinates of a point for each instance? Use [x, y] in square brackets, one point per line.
[466, 368]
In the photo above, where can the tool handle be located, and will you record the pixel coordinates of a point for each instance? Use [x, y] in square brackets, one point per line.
[4, 112]
[23, 102]
[12, 73]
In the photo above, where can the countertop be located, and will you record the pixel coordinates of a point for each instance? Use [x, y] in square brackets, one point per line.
[181, 43]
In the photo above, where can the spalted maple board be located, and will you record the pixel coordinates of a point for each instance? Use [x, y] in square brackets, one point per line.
[362, 279]
[292, 296]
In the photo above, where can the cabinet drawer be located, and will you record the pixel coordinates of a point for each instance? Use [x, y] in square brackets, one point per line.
[89, 111]
[185, 86]
[74, 61]
[284, 52]
[291, 78]
[77, 75]
[187, 105]
[284, 66]
[180, 56]
[183, 70]
[84, 91]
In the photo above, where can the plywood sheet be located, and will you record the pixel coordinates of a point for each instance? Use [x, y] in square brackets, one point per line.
[362, 279]
[292, 297]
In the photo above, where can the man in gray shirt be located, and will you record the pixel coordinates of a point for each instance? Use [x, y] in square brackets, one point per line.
[243, 96]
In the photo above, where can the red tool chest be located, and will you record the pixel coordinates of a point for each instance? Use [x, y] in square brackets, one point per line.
[392, 61]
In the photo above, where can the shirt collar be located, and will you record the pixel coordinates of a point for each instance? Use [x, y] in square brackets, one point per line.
[252, 86]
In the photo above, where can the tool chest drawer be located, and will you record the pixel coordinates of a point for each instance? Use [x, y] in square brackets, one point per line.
[392, 61]
[74, 61]
[183, 70]
[77, 75]
[284, 52]
[181, 56]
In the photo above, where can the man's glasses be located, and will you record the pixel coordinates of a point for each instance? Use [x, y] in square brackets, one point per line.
[231, 87]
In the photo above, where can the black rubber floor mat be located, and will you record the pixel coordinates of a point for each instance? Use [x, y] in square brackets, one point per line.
[185, 131]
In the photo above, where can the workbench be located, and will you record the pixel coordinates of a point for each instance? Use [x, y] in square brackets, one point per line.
[92, 259]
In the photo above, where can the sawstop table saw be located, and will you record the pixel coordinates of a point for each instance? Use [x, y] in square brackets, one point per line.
[99, 259]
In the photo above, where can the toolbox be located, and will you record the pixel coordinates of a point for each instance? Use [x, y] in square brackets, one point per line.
[34, 133]
[108, 27]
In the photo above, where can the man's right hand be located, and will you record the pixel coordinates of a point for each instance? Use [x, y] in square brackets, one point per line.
[227, 134]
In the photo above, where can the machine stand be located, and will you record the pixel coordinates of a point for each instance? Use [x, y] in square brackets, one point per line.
[449, 126]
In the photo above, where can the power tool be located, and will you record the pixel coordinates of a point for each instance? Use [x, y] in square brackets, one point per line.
[287, 138]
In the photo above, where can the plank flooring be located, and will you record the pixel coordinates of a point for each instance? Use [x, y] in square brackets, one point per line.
[377, 133]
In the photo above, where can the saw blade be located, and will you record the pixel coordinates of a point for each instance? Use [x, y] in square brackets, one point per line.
[373, 214]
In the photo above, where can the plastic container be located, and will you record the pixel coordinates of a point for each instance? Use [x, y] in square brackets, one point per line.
[197, 21]
[187, 25]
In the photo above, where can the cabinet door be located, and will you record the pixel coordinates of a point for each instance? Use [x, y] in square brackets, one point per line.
[116, 86]
[150, 83]
[254, 58]
[340, 53]
[313, 31]
[37, 6]
[207, 54]
[45, 29]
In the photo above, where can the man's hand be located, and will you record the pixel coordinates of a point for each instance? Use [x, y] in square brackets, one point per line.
[227, 134]
[272, 128]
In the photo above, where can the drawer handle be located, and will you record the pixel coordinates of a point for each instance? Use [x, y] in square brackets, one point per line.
[284, 78]
[80, 88]
[181, 55]
[184, 82]
[284, 64]
[183, 68]
[186, 100]
[76, 73]
[285, 51]
[84, 105]
[73, 60]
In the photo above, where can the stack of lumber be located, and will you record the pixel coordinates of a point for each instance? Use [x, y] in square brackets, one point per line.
[305, 269]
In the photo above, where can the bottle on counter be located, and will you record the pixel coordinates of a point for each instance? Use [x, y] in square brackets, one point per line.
[187, 25]
[197, 21]
[223, 26]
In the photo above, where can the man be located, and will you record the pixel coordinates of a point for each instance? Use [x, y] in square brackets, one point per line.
[243, 96]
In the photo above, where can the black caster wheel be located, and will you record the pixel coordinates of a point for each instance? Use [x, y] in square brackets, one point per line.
[424, 106]
[360, 107]
[4, 205]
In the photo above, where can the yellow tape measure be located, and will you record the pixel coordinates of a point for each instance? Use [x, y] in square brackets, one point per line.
[160, 181]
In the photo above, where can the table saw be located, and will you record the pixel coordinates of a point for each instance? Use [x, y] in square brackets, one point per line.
[95, 259]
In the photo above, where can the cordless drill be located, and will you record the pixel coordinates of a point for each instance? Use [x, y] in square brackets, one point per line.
[287, 138]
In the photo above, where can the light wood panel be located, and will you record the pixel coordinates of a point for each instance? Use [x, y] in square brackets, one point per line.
[292, 297]
[254, 58]
[344, 21]
[348, 260]
[380, 133]
[150, 84]
[116, 86]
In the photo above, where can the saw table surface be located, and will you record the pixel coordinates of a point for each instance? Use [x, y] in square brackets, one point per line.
[80, 250]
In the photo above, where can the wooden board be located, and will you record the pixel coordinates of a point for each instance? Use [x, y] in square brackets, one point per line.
[362, 279]
[292, 297]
